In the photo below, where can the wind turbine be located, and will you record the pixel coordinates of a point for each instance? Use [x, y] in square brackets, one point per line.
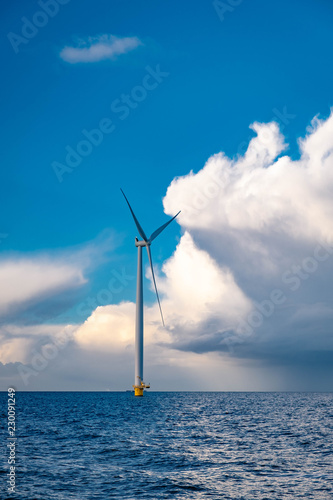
[139, 385]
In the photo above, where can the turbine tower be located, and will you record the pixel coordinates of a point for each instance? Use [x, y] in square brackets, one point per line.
[139, 384]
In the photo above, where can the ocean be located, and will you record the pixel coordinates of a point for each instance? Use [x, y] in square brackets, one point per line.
[170, 445]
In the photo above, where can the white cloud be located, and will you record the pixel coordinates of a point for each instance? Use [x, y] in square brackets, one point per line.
[14, 350]
[260, 193]
[24, 280]
[99, 48]
[247, 223]
[108, 328]
[262, 216]
[28, 280]
[193, 290]
[195, 286]
[19, 343]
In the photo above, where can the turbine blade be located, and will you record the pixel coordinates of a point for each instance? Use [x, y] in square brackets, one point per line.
[137, 223]
[160, 229]
[152, 272]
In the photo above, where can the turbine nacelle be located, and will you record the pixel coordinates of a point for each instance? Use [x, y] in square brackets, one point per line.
[141, 243]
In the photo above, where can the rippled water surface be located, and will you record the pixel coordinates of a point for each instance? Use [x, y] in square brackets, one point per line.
[240, 446]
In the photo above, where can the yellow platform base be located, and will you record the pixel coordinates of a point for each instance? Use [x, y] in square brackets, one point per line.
[138, 391]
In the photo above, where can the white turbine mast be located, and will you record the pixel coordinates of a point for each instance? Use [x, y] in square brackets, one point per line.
[139, 385]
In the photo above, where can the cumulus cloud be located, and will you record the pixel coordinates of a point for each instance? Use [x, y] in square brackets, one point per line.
[20, 343]
[246, 295]
[108, 328]
[260, 193]
[268, 219]
[25, 280]
[30, 280]
[250, 277]
[38, 287]
[99, 48]
[193, 287]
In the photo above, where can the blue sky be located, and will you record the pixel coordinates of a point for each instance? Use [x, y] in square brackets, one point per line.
[256, 62]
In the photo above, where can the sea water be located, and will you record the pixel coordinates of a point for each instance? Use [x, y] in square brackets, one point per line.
[172, 445]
